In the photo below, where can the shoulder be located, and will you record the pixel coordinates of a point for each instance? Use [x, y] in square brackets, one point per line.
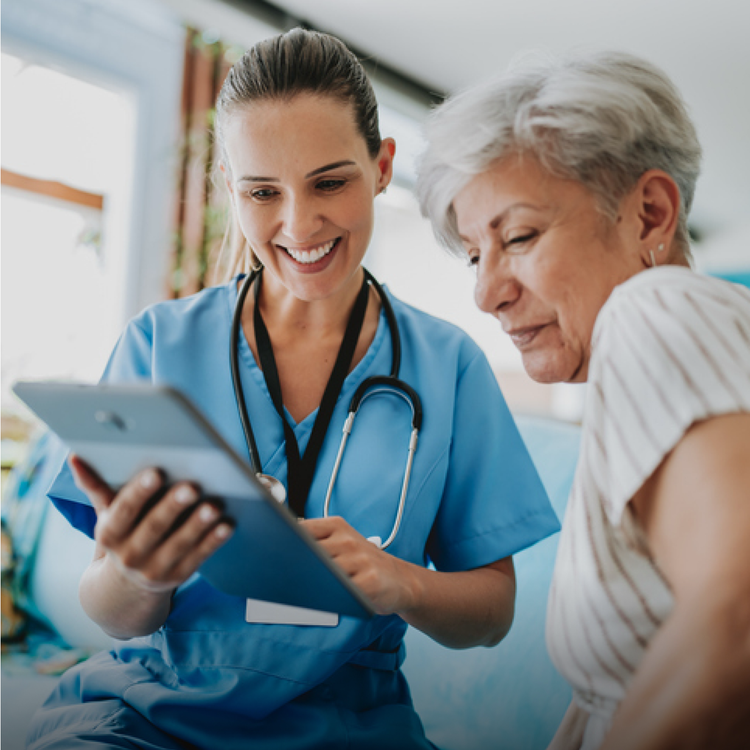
[677, 296]
[677, 318]
[430, 335]
[170, 331]
[211, 304]
[671, 347]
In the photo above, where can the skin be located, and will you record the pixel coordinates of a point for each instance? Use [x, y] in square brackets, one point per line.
[293, 188]
[546, 262]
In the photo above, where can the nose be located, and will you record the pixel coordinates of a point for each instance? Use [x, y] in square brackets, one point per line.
[301, 219]
[496, 286]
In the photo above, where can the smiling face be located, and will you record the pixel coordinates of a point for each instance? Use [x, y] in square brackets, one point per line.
[546, 261]
[302, 184]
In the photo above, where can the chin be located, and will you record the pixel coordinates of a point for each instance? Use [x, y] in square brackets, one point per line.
[549, 369]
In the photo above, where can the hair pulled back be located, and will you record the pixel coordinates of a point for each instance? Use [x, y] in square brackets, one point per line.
[277, 69]
[300, 62]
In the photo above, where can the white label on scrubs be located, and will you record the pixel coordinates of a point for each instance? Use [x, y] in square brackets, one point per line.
[270, 613]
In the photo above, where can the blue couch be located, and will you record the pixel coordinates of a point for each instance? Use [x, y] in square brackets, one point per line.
[508, 697]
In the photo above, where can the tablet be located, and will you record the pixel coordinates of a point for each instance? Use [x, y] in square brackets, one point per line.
[120, 429]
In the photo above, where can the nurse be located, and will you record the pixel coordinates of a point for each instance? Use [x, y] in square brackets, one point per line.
[303, 160]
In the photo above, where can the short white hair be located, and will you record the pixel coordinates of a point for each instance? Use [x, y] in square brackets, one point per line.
[601, 119]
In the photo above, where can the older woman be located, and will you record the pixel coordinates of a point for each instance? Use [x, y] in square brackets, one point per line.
[567, 186]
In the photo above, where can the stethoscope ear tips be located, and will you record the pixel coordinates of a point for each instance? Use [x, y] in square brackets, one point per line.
[376, 540]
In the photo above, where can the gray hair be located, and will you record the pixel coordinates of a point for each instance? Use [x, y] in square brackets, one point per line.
[601, 119]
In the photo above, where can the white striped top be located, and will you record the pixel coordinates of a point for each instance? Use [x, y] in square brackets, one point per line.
[670, 347]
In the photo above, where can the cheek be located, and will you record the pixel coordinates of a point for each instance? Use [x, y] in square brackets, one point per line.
[359, 211]
[255, 224]
[356, 217]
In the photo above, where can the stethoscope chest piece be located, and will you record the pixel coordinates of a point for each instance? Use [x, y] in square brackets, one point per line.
[378, 384]
[274, 486]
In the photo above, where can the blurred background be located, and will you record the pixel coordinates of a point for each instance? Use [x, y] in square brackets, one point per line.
[108, 196]
[109, 203]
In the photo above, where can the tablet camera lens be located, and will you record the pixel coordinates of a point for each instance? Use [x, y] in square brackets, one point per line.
[111, 420]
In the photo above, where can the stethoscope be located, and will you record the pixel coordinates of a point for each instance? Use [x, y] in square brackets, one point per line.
[378, 384]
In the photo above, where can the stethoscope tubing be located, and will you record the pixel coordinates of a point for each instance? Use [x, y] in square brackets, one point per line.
[369, 387]
[236, 380]
[357, 401]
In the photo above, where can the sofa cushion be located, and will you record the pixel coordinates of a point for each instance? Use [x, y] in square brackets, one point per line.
[509, 696]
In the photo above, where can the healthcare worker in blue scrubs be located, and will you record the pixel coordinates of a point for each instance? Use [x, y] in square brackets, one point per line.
[192, 667]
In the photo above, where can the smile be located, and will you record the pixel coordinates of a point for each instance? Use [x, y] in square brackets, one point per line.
[313, 255]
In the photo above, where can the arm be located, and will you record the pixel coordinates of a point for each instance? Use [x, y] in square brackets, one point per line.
[144, 549]
[692, 689]
[459, 610]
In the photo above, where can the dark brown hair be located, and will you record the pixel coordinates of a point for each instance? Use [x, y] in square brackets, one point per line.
[300, 61]
[278, 68]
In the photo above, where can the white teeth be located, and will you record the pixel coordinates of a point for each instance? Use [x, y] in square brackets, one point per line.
[311, 256]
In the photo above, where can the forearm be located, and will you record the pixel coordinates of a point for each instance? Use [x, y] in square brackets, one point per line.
[464, 609]
[118, 605]
[692, 689]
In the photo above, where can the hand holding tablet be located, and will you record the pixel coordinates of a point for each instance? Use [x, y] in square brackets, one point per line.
[121, 430]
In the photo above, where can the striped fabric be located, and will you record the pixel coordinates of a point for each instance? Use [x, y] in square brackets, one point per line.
[670, 347]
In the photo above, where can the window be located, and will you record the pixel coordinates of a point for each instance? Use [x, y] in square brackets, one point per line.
[67, 152]
[91, 93]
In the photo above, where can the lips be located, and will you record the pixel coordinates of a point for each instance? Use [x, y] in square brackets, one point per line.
[522, 337]
[308, 256]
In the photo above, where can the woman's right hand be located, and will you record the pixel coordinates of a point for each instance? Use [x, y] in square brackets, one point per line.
[151, 544]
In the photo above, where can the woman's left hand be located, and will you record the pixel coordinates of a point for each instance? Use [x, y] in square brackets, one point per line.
[460, 610]
[383, 578]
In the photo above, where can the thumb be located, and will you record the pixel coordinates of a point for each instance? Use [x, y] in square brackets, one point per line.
[88, 481]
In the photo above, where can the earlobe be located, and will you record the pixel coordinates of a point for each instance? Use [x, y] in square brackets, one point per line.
[653, 257]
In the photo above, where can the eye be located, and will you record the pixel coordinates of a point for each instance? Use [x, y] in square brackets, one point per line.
[520, 240]
[263, 194]
[472, 260]
[330, 185]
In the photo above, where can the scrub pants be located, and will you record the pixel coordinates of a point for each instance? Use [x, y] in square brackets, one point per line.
[329, 717]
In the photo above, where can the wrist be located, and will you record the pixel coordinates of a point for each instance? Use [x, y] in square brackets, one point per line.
[413, 587]
[136, 581]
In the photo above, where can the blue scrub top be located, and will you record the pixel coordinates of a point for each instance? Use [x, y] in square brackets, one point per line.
[474, 498]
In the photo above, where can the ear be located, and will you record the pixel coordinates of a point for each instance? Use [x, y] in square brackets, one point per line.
[385, 163]
[227, 180]
[657, 203]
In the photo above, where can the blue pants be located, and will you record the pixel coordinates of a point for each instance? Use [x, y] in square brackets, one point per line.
[342, 713]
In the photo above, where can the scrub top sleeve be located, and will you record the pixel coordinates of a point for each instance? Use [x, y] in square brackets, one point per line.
[130, 361]
[494, 503]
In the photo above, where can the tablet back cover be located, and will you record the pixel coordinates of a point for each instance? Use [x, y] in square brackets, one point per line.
[122, 429]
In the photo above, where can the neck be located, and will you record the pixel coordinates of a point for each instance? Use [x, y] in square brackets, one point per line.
[284, 312]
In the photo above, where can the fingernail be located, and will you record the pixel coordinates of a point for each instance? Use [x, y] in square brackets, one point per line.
[185, 494]
[207, 513]
[149, 479]
[223, 530]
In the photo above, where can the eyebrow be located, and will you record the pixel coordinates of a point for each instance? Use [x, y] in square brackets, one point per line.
[319, 170]
[335, 165]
